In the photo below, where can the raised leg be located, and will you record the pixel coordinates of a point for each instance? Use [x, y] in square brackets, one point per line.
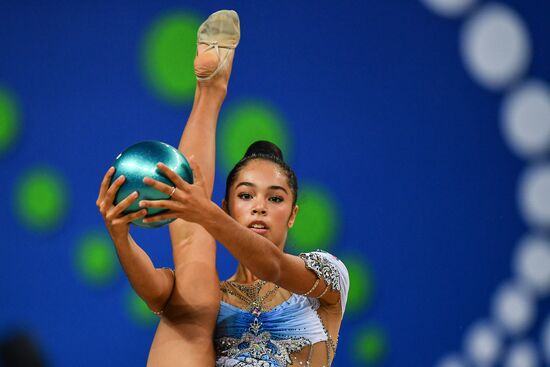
[196, 293]
[185, 332]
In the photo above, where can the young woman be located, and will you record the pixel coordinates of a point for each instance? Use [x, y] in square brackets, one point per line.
[277, 309]
[187, 298]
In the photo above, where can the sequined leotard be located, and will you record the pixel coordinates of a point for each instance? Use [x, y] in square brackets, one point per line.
[262, 325]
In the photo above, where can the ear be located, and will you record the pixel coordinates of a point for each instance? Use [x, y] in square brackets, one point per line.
[292, 216]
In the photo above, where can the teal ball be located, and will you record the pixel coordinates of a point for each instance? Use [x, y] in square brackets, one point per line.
[139, 161]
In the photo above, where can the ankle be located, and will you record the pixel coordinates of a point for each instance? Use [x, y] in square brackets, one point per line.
[216, 89]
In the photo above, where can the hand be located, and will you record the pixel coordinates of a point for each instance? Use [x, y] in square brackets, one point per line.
[116, 223]
[188, 201]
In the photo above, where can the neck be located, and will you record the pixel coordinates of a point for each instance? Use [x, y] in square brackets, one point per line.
[243, 275]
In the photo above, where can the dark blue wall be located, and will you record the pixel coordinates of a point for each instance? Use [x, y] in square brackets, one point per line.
[381, 110]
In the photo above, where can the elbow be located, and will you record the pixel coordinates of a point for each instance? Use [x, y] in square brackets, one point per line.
[156, 305]
[157, 301]
[162, 291]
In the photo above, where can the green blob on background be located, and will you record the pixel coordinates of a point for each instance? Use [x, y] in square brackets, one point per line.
[361, 284]
[9, 120]
[246, 123]
[370, 345]
[317, 221]
[41, 199]
[139, 311]
[96, 259]
[168, 52]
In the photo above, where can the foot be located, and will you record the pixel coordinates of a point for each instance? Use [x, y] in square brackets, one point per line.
[217, 39]
[206, 63]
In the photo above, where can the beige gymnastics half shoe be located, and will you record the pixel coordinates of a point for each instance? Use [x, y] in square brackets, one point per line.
[222, 32]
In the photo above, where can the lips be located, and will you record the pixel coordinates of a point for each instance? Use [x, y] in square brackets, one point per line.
[258, 227]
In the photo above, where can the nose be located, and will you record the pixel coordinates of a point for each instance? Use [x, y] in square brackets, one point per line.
[259, 208]
[260, 211]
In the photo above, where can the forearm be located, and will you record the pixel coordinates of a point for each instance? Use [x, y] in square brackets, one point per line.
[261, 256]
[151, 284]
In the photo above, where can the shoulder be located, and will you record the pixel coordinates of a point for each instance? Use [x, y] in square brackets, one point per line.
[325, 264]
[331, 269]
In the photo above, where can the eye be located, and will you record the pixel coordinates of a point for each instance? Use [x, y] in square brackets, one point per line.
[245, 196]
[276, 199]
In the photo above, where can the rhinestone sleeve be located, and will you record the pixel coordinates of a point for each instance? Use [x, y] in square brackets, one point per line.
[323, 268]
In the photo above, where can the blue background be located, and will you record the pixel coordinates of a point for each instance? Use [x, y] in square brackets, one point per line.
[382, 113]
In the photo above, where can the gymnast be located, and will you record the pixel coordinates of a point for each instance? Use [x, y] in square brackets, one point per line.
[277, 309]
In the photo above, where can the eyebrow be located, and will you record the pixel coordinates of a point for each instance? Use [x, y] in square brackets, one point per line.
[272, 187]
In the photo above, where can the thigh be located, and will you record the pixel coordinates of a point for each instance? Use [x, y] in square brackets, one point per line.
[196, 293]
[172, 347]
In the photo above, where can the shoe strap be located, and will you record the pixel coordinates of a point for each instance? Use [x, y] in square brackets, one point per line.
[221, 63]
[216, 45]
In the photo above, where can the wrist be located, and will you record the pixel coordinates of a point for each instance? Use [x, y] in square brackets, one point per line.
[211, 216]
[119, 238]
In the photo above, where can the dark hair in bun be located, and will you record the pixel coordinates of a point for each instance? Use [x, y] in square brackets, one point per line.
[268, 151]
[264, 147]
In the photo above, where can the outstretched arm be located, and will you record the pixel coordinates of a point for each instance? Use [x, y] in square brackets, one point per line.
[265, 260]
[257, 253]
[151, 284]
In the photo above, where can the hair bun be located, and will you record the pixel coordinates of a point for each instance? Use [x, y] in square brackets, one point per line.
[261, 147]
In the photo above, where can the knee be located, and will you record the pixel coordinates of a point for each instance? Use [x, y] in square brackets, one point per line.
[198, 306]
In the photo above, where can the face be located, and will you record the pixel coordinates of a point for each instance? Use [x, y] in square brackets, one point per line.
[261, 200]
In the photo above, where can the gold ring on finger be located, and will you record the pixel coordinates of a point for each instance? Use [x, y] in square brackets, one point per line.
[172, 193]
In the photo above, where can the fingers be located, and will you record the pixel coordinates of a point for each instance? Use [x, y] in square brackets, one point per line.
[130, 217]
[105, 185]
[156, 218]
[164, 204]
[173, 176]
[160, 186]
[105, 201]
[123, 205]
[106, 197]
[111, 192]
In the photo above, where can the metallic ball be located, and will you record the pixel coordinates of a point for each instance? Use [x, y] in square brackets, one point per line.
[140, 160]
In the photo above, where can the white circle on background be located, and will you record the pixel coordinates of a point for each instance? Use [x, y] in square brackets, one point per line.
[449, 8]
[513, 308]
[521, 354]
[495, 46]
[545, 339]
[482, 344]
[526, 119]
[452, 360]
[532, 263]
[534, 195]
